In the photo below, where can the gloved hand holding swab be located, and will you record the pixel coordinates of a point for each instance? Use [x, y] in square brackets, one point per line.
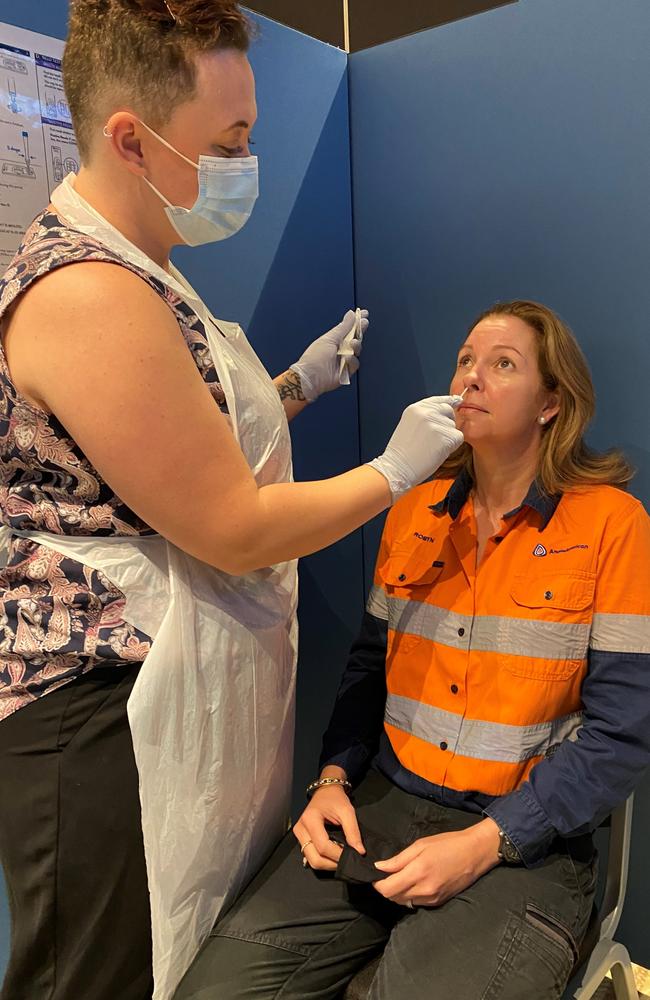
[346, 349]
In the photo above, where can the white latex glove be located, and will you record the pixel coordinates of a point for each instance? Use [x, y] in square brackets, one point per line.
[425, 436]
[320, 366]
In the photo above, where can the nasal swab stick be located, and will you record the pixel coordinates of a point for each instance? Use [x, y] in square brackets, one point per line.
[459, 399]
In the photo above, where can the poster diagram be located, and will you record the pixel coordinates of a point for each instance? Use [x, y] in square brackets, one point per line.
[12, 63]
[21, 167]
[13, 97]
[37, 143]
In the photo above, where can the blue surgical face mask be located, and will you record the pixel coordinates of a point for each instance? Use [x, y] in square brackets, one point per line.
[228, 190]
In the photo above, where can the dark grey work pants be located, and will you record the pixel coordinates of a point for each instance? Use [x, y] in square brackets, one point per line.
[513, 935]
[71, 846]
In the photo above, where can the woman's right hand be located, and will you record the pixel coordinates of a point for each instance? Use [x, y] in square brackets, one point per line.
[424, 438]
[328, 805]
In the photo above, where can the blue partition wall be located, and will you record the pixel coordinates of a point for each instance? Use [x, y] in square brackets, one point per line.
[287, 277]
[500, 156]
[506, 156]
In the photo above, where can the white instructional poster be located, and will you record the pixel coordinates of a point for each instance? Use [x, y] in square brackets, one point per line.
[37, 143]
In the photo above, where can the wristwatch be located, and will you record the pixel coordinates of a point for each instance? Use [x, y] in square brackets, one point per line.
[507, 852]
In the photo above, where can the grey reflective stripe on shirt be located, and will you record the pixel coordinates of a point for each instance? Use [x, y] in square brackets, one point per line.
[475, 738]
[620, 633]
[377, 603]
[528, 637]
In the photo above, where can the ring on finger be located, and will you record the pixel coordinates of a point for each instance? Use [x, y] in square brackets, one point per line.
[303, 846]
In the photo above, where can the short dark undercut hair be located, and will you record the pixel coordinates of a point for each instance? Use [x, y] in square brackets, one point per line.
[141, 52]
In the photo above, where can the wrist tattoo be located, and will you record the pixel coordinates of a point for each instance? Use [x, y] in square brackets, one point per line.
[291, 387]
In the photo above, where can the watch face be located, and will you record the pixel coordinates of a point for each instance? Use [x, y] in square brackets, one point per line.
[508, 851]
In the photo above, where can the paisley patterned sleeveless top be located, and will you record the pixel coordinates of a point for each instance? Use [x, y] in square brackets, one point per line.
[59, 618]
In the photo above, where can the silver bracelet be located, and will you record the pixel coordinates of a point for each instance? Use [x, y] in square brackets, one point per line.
[323, 782]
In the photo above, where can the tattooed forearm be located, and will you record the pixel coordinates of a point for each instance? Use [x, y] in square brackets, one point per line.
[291, 387]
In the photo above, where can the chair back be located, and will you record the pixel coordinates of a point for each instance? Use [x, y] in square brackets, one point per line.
[618, 863]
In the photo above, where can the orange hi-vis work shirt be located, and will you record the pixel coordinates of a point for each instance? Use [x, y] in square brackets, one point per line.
[485, 665]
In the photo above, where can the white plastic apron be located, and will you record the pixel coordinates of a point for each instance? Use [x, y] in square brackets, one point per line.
[212, 710]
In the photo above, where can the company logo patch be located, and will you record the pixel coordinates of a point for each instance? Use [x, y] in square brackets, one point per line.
[423, 538]
[540, 550]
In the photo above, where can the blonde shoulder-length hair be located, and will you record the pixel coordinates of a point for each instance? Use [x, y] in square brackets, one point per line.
[565, 461]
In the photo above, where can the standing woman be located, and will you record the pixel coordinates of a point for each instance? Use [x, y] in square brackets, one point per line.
[151, 522]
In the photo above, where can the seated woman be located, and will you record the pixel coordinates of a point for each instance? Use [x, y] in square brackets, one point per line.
[494, 710]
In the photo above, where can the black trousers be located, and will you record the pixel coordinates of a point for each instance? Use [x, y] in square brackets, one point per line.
[513, 935]
[71, 846]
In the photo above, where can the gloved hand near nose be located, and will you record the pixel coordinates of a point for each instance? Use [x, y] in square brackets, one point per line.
[319, 366]
[425, 436]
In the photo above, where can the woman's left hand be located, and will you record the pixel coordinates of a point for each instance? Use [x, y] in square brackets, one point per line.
[433, 869]
[319, 367]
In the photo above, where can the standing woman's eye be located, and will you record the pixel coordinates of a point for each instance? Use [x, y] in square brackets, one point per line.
[233, 150]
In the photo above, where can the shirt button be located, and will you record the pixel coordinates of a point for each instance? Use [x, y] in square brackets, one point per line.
[461, 631]
[402, 577]
[548, 595]
[443, 745]
[454, 688]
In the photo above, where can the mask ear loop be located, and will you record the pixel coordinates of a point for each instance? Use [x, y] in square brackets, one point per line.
[169, 145]
[170, 12]
[162, 197]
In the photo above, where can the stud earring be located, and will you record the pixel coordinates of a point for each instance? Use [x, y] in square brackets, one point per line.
[542, 420]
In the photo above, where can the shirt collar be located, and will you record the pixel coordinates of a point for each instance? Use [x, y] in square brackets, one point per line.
[458, 494]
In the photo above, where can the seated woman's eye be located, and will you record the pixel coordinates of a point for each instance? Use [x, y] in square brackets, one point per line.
[462, 362]
[505, 363]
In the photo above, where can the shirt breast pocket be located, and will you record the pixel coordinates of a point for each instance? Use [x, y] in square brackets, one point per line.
[549, 635]
[408, 576]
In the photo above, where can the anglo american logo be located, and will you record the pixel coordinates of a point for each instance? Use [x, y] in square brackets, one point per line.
[539, 550]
